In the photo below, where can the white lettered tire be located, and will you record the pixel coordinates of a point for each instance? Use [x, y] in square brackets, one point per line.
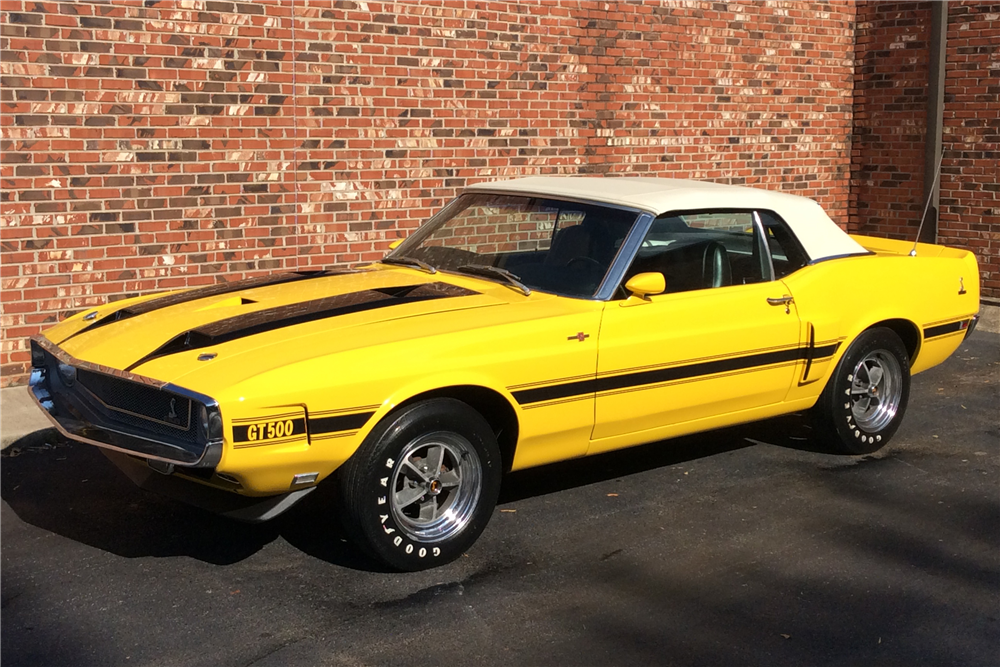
[864, 401]
[422, 487]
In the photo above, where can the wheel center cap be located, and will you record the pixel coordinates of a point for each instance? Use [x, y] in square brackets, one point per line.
[434, 488]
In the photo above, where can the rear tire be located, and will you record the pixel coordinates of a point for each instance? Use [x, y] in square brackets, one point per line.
[422, 487]
[864, 401]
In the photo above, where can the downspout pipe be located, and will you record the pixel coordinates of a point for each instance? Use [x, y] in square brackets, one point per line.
[933, 141]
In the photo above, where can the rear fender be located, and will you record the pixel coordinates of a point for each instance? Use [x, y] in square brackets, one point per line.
[838, 299]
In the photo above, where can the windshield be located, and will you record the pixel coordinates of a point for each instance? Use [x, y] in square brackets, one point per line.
[546, 244]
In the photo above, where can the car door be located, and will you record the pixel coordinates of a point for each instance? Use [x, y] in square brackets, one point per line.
[722, 339]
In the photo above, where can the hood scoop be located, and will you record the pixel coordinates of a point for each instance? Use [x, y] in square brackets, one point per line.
[280, 317]
[232, 302]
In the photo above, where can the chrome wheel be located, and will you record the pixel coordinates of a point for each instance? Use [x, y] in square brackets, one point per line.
[876, 390]
[435, 487]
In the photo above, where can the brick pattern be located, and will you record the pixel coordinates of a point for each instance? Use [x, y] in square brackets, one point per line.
[161, 144]
[890, 119]
[970, 171]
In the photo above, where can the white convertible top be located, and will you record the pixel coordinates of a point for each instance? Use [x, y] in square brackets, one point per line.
[820, 236]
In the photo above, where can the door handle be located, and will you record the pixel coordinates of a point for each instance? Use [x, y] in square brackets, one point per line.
[785, 301]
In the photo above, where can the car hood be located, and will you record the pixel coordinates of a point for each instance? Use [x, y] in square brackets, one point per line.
[267, 321]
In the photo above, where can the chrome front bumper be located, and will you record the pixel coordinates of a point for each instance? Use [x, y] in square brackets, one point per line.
[123, 411]
[972, 326]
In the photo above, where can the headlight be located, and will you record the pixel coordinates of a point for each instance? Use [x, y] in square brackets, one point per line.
[37, 356]
[203, 420]
[210, 423]
[67, 374]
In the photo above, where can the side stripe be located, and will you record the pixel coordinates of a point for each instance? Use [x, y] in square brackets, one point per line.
[337, 423]
[670, 374]
[825, 352]
[944, 329]
[291, 427]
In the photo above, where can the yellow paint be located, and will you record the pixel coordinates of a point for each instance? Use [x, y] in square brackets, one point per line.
[710, 329]
[645, 284]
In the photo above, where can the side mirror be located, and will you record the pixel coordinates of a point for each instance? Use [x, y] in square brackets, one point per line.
[395, 244]
[643, 284]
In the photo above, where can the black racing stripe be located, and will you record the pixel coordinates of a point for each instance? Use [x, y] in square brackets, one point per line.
[825, 351]
[661, 375]
[270, 319]
[177, 298]
[942, 329]
[554, 392]
[813, 353]
[319, 425]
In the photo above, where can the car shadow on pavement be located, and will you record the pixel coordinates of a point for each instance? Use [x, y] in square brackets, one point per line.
[72, 490]
[790, 431]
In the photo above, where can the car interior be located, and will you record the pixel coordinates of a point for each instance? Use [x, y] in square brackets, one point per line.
[708, 250]
[567, 248]
[561, 247]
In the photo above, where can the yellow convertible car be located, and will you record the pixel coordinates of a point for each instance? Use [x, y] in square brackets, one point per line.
[529, 321]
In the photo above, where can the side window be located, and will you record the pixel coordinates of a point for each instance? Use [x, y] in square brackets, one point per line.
[787, 254]
[702, 250]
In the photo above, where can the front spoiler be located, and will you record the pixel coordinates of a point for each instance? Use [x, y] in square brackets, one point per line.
[217, 501]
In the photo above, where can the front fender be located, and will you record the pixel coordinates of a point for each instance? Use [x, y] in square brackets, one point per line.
[436, 383]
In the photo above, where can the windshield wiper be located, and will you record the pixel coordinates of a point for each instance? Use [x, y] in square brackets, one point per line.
[411, 262]
[496, 271]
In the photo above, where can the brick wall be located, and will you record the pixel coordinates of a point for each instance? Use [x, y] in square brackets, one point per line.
[970, 171]
[890, 120]
[151, 145]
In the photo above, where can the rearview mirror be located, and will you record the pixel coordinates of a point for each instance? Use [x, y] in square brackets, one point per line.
[643, 284]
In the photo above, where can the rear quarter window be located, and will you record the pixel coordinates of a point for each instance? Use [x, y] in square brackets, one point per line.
[787, 254]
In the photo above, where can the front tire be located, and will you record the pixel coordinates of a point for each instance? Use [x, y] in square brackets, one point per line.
[422, 487]
[864, 401]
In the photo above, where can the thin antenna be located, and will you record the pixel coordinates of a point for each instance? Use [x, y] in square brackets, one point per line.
[930, 196]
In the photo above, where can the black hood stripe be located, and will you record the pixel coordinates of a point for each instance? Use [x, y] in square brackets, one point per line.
[270, 319]
[177, 298]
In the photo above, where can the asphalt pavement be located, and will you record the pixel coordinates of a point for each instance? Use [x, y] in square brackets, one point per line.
[746, 546]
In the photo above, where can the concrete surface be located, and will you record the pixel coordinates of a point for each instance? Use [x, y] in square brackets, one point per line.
[989, 319]
[21, 419]
[745, 546]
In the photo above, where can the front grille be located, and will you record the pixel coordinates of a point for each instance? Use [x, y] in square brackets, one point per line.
[124, 411]
[154, 410]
